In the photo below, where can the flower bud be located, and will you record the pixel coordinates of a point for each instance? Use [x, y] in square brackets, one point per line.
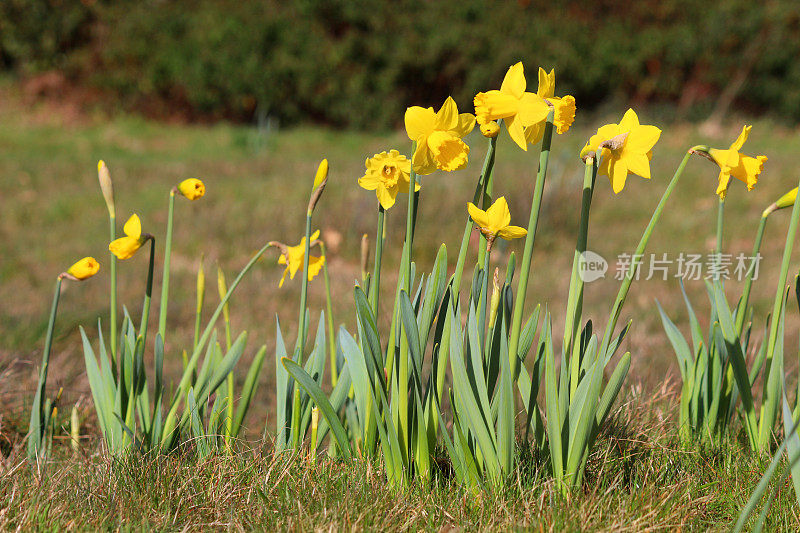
[192, 188]
[322, 173]
[495, 302]
[787, 200]
[490, 129]
[75, 428]
[83, 269]
[320, 180]
[364, 255]
[107, 187]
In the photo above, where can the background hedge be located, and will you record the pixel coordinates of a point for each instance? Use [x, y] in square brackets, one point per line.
[354, 63]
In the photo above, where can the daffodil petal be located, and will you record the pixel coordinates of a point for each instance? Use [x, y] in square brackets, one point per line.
[478, 215]
[514, 81]
[512, 232]
[466, 121]
[419, 121]
[629, 120]
[498, 214]
[638, 164]
[547, 83]
[133, 227]
[532, 109]
[642, 138]
[618, 173]
[516, 131]
[385, 197]
[369, 181]
[447, 116]
[739, 142]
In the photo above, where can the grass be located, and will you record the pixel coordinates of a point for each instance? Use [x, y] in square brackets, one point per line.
[53, 213]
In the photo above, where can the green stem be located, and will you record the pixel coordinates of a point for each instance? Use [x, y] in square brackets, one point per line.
[741, 311]
[301, 337]
[527, 256]
[162, 314]
[37, 429]
[486, 201]
[329, 307]
[112, 223]
[375, 282]
[486, 175]
[626, 282]
[771, 398]
[575, 298]
[148, 292]
[720, 225]
[484, 296]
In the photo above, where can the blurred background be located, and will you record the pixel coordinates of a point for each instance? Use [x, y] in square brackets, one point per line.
[249, 96]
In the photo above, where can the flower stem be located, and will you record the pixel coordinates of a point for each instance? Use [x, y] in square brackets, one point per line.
[771, 395]
[626, 282]
[720, 225]
[37, 430]
[575, 298]
[329, 315]
[484, 296]
[527, 256]
[301, 337]
[112, 224]
[148, 291]
[375, 282]
[162, 313]
[741, 310]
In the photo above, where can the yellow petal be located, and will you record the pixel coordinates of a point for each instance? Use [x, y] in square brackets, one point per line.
[322, 173]
[124, 247]
[314, 237]
[449, 151]
[369, 181]
[748, 170]
[512, 232]
[739, 142]
[478, 215]
[447, 116]
[494, 105]
[385, 196]
[466, 121]
[423, 158]
[514, 81]
[564, 113]
[638, 164]
[724, 180]
[517, 132]
[532, 109]
[629, 120]
[498, 214]
[419, 121]
[618, 174]
[547, 83]
[283, 278]
[642, 138]
[133, 227]
[314, 266]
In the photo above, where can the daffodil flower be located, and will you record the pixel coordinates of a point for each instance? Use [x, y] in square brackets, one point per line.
[438, 136]
[192, 188]
[83, 269]
[732, 163]
[387, 174]
[517, 108]
[294, 256]
[126, 246]
[624, 147]
[495, 221]
[563, 108]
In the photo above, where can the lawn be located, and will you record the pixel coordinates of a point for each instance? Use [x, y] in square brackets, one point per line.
[257, 181]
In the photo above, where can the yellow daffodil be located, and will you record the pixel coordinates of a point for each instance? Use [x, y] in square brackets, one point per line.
[126, 246]
[293, 257]
[438, 136]
[387, 174]
[495, 221]
[517, 108]
[490, 129]
[83, 269]
[192, 188]
[732, 163]
[625, 147]
[563, 108]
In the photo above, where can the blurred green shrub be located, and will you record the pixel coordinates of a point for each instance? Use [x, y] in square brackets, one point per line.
[360, 63]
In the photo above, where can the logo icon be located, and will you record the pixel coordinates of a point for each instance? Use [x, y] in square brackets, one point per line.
[591, 266]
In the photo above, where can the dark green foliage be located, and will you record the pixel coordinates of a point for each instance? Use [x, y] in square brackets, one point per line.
[359, 64]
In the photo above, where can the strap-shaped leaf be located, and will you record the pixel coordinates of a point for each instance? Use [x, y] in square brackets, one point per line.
[248, 390]
[679, 344]
[313, 390]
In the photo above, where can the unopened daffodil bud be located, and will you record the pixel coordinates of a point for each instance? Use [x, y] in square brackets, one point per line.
[107, 187]
[787, 200]
[81, 270]
[490, 129]
[192, 188]
[495, 302]
[320, 180]
[364, 255]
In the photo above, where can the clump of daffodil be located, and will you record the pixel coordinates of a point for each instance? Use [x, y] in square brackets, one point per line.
[438, 136]
[624, 147]
[563, 108]
[192, 188]
[126, 246]
[387, 174]
[516, 107]
[81, 270]
[731, 163]
[294, 257]
[495, 221]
